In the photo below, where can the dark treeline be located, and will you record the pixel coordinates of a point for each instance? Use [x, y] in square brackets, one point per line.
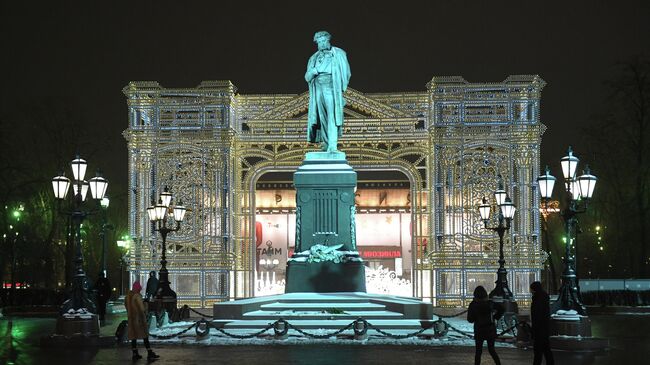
[37, 141]
[619, 154]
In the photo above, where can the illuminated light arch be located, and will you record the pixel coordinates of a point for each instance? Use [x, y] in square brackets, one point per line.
[430, 136]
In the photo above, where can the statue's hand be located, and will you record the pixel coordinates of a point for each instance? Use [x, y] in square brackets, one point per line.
[313, 72]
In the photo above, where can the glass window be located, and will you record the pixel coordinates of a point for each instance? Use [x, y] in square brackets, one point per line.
[450, 283]
[475, 279]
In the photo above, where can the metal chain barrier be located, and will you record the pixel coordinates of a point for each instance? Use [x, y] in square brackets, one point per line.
[199, 313]
[256, 334]
[467, 334]
[328, 335]
[167, 337]
[453, 316]
[413, 334]
[281, 327]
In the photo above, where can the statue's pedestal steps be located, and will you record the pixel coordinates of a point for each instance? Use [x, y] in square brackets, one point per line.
[329, 311]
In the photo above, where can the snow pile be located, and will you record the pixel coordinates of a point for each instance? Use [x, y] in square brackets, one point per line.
[566, 315]
[81, 313]
[384, 281]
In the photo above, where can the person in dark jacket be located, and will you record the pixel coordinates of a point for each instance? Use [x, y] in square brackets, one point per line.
[103, 288]
[540, 316]
[484, 313]
[152, 287]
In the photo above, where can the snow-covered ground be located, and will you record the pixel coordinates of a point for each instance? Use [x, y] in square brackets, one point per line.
[216, 338]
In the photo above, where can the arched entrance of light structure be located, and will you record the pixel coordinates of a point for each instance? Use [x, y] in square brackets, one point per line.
[415, 189]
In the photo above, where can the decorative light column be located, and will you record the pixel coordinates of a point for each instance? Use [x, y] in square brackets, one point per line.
[506, 211]
[159, 214]
[97, 185]
[578, 193]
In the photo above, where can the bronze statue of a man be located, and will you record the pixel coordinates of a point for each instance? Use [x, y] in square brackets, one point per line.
[328, 74]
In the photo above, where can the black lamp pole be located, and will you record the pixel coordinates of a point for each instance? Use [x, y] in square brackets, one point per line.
[165, 292]
[501, 288]
[569, 295]
[80, 297]
[97, 185]
[159, 214]
[578, 192]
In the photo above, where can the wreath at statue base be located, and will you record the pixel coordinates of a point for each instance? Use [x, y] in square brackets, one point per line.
[325, 277]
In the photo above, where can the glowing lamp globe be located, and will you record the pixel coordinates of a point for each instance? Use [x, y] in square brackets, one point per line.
[84, 189]
[179, 212]
[546, 183]
[60, 185]
[166, 197]
[160, 210]
[508, 209]
[151, 211]
[484, 210]
[587, 183]
[569, 165]
[98, 186]
[79, 166]
[576, 192]
[105, 202]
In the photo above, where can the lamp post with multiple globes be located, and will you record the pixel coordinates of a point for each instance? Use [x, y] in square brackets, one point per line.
[579, 191]
[159, 214]
[506, 211]
[61, 185]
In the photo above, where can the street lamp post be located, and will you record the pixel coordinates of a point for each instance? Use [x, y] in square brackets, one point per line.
[506, 212]
[159, 214]
[104, 202]
[579, 191]
[61, 185]
[124, 246]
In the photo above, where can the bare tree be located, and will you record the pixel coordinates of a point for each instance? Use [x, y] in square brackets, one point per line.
[620, 144]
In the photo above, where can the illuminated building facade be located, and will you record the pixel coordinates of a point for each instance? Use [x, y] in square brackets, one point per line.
[425, 159]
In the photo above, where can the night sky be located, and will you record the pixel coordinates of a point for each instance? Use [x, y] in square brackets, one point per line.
[83, 54]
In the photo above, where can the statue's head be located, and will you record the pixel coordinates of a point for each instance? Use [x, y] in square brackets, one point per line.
[322, 39]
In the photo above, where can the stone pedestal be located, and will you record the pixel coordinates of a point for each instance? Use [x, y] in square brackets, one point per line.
[571, 326]
[325, 215]
[79, 326]
[573, 333]
[325, 277]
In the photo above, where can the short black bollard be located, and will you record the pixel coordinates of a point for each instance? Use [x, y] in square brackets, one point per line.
[202, 329]
[281, 329]
[360, 328]
[440, 328]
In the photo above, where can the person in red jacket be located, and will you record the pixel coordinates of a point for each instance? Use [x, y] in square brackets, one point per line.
[484, 313]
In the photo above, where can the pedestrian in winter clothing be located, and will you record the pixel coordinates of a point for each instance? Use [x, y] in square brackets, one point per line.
[137, 327]
[103, 288]
[540, 316]
[152, 287]
[484, 313]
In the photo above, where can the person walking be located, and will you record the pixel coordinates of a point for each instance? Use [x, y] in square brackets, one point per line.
[484, 313]
[540, 316]
[103, 288]
[137, 320]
